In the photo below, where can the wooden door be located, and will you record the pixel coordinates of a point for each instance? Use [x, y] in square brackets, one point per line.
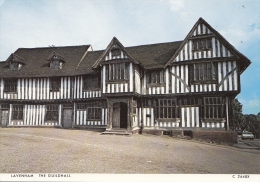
[67, 118]
[4, 118]
[116, 116]
[123, 115]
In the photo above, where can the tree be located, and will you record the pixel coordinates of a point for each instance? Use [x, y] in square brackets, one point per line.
[238, 117]
[252, 124]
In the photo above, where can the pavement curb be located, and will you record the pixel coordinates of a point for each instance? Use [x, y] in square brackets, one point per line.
[219, 145]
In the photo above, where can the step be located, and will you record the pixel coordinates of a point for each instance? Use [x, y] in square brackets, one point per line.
[117, 132]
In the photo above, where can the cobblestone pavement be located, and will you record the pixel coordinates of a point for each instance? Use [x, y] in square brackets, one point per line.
[50, 150]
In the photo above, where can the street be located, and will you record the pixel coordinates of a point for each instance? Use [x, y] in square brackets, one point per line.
[50, 150]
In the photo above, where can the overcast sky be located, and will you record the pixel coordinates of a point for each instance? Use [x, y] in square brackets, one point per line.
[41, 23]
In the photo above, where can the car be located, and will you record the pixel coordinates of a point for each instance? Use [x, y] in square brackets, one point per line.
[247, 135]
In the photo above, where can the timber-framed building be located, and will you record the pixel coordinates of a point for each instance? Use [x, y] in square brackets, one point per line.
[174, 85]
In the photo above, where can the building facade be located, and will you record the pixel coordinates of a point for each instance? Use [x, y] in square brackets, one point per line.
[174, 85]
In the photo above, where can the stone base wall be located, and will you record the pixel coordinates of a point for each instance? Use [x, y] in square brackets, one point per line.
[215, 136]
[153, 132]
[177, 133]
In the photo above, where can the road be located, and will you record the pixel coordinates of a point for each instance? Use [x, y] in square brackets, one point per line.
[50, 150]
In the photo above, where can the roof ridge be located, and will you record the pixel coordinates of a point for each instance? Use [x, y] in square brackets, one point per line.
[155, 44]
[146, 45]
[50, 47]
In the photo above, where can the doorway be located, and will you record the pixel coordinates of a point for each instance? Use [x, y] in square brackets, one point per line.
[4, 118]
[119, 115]
[67, 118]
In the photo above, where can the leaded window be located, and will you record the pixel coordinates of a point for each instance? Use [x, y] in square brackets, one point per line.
[202, 44]
[10, 85]
[52, 112]
[168, 108]
[55, 84]
[214, 107]
[93, 109]
[155, 77]
[117, 71]
[204, 72]
[17, 112]
[91, 82]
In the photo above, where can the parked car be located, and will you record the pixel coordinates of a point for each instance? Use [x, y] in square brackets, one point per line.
[247, 135]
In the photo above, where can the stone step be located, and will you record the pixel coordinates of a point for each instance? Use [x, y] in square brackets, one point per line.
[116, 131]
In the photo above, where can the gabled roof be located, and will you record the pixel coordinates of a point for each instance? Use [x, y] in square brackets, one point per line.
[14, 57]
[154, 56]
[245, 62]
[55, 54]
[37, 66]
[109, 47]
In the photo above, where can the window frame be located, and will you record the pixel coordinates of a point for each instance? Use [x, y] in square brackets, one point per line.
[156, 78]
[91, 82]
[52, 112]
[202, 44]
[117, 72]
[56, 63]
[115, 53]
[168, 109]
[214, 109]
[17, 112]
[10, 85]
[55, 84]
[93, 110]
[204, 72]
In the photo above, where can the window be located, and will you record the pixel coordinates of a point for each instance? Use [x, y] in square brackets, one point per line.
[117, 71]
[116, 52]
[17, 112]
[213, 107]
[93, 110]
[204, 72]
[15, 66]
[10, 85]
[91, 82]
[52, 113]
[201, 44]
[55, 63]
[168, 108]
[54, 84]
[155, 77]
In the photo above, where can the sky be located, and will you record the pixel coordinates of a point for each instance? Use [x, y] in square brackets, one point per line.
[43, 23]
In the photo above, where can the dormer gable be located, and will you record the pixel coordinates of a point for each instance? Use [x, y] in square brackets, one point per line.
[15, 62]
[115, 51]
[56, 60]
[204, 42]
